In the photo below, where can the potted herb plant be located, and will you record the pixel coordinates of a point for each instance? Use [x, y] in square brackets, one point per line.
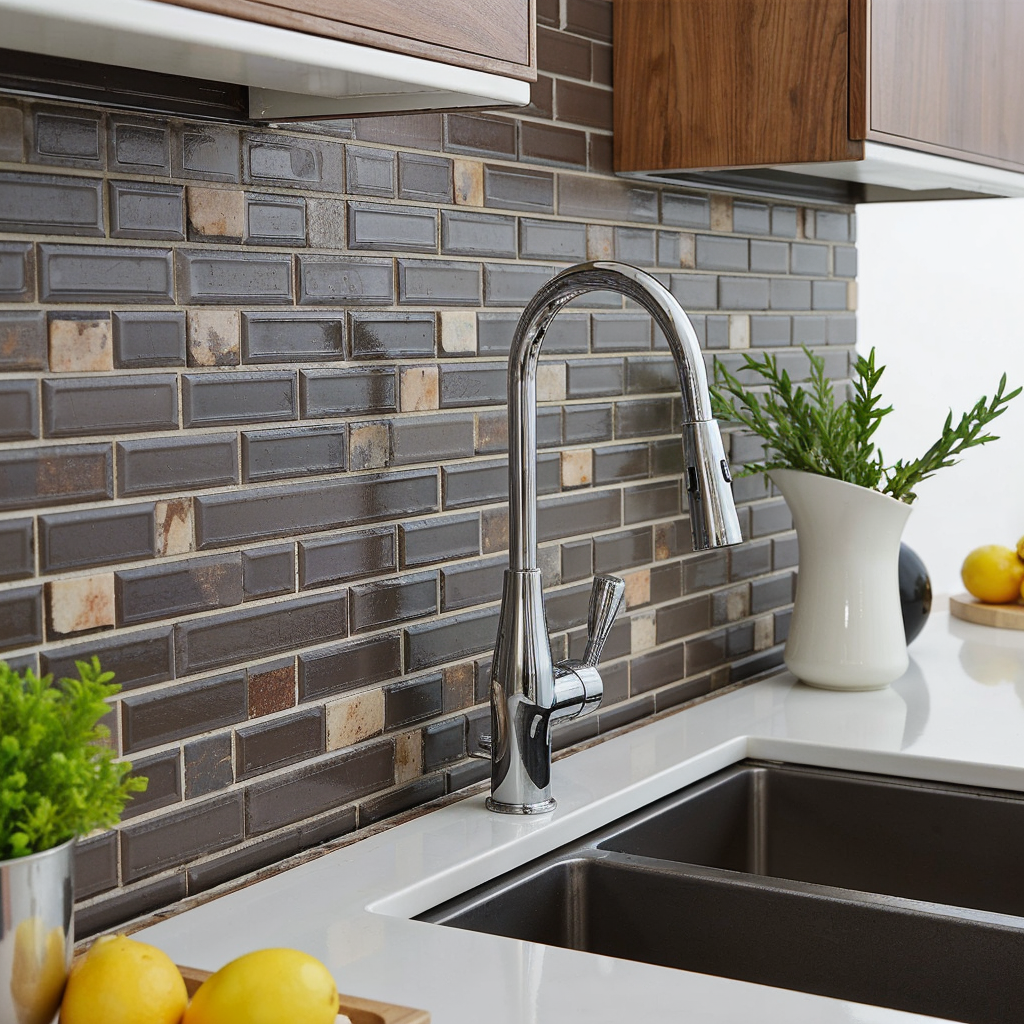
[849, 508]
[58, 780]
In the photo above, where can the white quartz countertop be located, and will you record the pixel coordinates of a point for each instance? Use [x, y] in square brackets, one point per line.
[956, 716]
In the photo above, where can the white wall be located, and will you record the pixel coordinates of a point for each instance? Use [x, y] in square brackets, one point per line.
[941, 297]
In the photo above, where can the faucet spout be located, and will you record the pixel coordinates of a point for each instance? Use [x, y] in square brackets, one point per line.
[528, 691]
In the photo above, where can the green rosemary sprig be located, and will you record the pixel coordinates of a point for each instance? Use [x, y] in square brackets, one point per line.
[805, 428]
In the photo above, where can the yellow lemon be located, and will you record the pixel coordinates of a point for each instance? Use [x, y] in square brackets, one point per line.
[1020, 548]
[270, 986]
[38, 971]
[993, 574]
[121, 981]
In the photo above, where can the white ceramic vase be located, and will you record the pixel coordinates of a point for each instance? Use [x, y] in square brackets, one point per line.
[847, 627]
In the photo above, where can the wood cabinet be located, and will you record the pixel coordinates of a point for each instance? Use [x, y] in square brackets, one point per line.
[487, 35]
[781, 91]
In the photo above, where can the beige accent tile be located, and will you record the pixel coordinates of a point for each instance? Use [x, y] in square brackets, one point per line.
[175, 527]
[638, 587]
[80, 346]
[12, 134]
[739, 330]
[721, 213]
[600, 242]
[764, 632]
[494, 531]
[469, 182]
[737, 604]
[213, 337]
[216, 212]
[805, 223]
[369, 446]
[551, 386]
[578, 467]
[458, 331]
[325, 223]
[688, 251]
[85, 602]
[491, 431]
[408, 756]
[851, 295]
[354, 718]
[418, 389]
[643, 632]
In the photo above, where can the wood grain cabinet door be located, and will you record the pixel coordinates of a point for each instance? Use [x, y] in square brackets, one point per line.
[947, 76]
[487, 35]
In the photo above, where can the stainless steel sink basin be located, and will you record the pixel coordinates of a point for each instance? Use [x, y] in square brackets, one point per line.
[878, 890]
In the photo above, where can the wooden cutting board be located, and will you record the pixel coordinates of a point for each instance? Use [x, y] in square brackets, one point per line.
[359, 1011]
[1002, 616]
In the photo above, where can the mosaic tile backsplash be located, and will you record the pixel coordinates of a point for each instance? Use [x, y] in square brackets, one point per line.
[254, 444]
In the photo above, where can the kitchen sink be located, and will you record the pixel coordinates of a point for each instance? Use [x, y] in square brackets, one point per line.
[880, 890]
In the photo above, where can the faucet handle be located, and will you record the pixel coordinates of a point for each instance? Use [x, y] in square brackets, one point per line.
[605, 599]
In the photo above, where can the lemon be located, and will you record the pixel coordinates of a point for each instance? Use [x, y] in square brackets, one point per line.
[1020, 548]
[121, 981]
[993, 574]
[270, 986]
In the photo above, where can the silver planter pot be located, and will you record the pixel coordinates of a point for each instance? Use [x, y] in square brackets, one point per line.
[36, 933]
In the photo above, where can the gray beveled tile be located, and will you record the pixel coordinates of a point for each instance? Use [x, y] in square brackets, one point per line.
[46, 204]
[79, 273]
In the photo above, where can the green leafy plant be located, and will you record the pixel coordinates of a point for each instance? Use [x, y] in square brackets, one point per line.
[58, 779]
[806, 428]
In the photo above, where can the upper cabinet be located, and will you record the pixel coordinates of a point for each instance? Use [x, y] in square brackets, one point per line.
[300, 58]
[853, 100]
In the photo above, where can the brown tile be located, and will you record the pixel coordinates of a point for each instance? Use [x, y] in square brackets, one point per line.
[354, 718]
[177, 838]
[319, 788]
[208, 766]
[134, 901]
[271, 688]
[494, 531]
[592, 18]
[95, 865]
[175, 527]
[418, 388]
[163, 775]
[348, 667]
[458, 682]
[213, 337]
[81, 603]
[186, 709]
[486, 136]
[563, 54]
[278, 742]
[216, 213]
[588, 105]
[80, 346]
[23, 340]
[552, 144]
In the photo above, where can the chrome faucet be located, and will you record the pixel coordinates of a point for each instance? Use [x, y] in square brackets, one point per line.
[528, 691]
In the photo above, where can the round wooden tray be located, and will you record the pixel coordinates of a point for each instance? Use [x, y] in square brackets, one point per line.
[1002, 616]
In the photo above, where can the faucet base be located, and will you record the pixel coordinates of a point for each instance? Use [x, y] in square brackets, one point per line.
[541, 808]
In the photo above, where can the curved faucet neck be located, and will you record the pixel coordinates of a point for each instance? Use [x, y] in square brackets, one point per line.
[522, 378]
